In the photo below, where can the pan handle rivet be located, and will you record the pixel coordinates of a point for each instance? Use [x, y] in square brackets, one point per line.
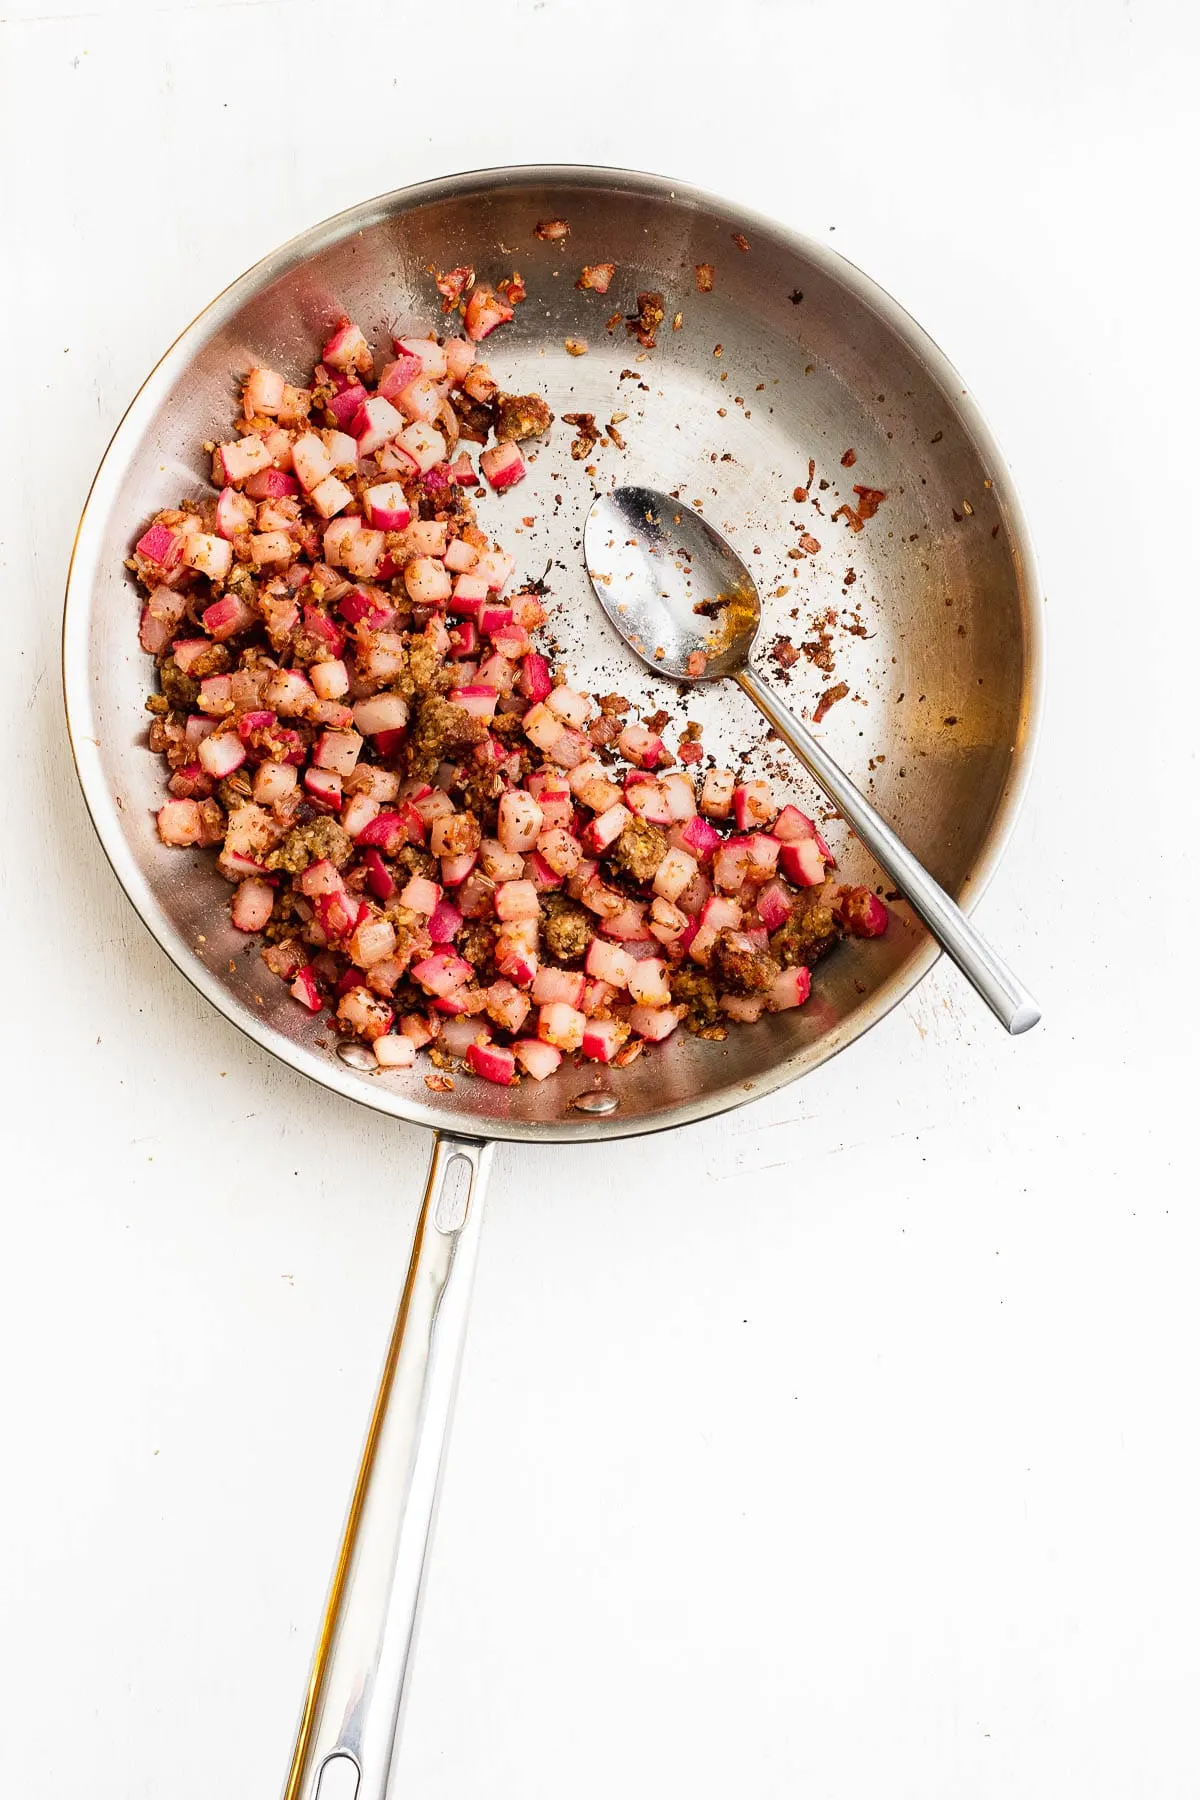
[597, 1102]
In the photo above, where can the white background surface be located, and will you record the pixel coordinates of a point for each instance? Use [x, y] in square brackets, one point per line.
[844, 1447]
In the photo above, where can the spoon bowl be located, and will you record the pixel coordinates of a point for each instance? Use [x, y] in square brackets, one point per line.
[671, 586]
[687, 605]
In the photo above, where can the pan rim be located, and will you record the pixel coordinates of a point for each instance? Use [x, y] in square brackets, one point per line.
[325, 1070]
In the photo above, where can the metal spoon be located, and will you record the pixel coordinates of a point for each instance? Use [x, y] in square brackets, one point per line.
[651, 561]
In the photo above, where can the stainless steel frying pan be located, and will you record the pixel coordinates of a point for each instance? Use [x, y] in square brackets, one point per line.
[793, 355]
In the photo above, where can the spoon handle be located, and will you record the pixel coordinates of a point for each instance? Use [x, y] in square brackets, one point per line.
[1011, 1002]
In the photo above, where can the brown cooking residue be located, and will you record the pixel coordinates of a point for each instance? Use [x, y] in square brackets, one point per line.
[829, 698]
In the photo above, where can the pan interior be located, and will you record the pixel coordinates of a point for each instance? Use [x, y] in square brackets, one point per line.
[791, 363]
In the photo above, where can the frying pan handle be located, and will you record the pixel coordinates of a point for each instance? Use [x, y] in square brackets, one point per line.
[993, 980]
[351, 1716]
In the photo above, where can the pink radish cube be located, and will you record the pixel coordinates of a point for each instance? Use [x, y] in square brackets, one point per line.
[365, 1013]
[358, 813]
[427, 581]
[789, 989]
[270, 548]
[519, 821]
[562, 852]
[374, 424]
[421, 399]
[331, 679]
[305, 990]
[273, 782]
[387, 507]
[235, 512]
[801, 861]
[792, 825]
[263, 392]
[491, 1063]
[667, 922]
[460, 556]
[572, 708]
[551, 986]
[209, 554]
[537, 1059]
[716, 795]
[674, 873]
[343, 451]
[269, 484]
[442, 974]
[507, 1006]
[561, 1025]
[608, 962]
[337, 750]
[179, 823]
[383, 712]
[431, 356]
[395, 1051]
[236, 462]
[698, 838]
[363, 556]
[323, 787]
[655, 1023]
[648, 984]
[516, 900]
[503, 466]
[605, 829]
[420, 895]
[445, 922]
[337, 539]
[348, 349]
[311, 461]
[498, 863]
[753, 805]
[484, 311]
[426, 446]
[773, 905]
[456, 869]
[862, 913]
[602, 1038]
[373, 942]
[648, 801]
[395, 376]
[479, 701]
[330, 496]
[628, 925]
[495, 567]
[534, 679]
[745, 1008]
[221, 753]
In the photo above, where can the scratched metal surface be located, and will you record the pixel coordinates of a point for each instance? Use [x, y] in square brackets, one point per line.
[944, 590]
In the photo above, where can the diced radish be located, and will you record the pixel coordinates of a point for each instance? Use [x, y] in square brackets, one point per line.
[372, 942]
[479, 701]
[221, 753]
[331, 679]
[179, 823]
[463, 470]
[421, 399]
[320, 877]
[348, 349]
[344, 406]
[673, 874]
[605, 829]
[394, 1051]
[731, 864]
[426, 446]
[645, 748]
[801, 861]
[861, 912]
[519, 821]
[514, 956]
[364, 555]
[268, 484]
[648, 984]
[427, 581]
[330, 496]
[358, 813]
[236, 462]
[270, 548]
[753, 805]
[442, 973]
[655, 1023]
[374, 424]
[537, 1059]
[516, 900]
[561, 1025]
[460, 556]
[263, 392]
[445, 922]
[647, 800]
[343, 451]
[572, 708]
[503, 466]
[227, 617]
[602, 1038]
[498, 863]
[792, 826]
[323, 787]
[628, 925]
[379, 876]
[608, 962]
[290, 693]
[698, 838]
[745, 1008]
[420, 895]
[562, 852]
[507, 1006]
[311, 461]
[337, 538]
[791, 988]
[667, 922]
[305, 990]
[369, 1016]
[273, 782]
[484, 311]
[558, 985]
[773, 905]
[431, 356]
[716, 795]
[464, 638]
[534, 678]
[456, 869]
[383, 712]
[491, 1063]
[337, 750]
[387, 507]
[458, 1034]
[395, 376]
[234, 512]
[495, 567]
[538, 870]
